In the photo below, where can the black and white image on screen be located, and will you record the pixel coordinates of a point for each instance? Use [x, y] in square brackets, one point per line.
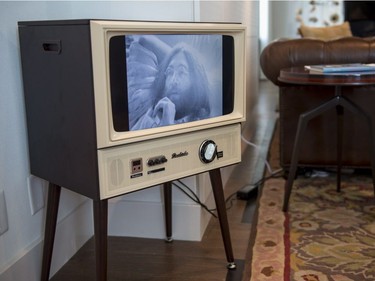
[173, 79]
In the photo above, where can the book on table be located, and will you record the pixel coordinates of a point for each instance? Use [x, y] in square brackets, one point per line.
[338, 68]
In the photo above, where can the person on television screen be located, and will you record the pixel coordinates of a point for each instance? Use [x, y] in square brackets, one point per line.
[179, 91]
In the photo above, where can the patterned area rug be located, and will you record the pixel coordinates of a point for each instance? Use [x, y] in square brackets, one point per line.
[326, 236]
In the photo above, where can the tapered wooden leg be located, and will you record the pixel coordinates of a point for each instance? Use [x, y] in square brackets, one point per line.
[168, 210]
[53, 201]
[101, 232]
[217, 187]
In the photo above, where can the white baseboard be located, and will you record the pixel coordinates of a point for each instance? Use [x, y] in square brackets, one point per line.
[27, 267]
[146, 219]
[126, 217]
[72, 232]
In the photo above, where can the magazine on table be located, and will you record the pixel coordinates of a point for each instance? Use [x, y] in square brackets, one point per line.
[341, 68]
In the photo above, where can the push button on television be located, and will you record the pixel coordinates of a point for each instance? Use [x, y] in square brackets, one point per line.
[157, 160]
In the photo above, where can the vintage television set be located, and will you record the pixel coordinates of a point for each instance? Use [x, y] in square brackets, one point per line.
[116, 106]
[107, 111]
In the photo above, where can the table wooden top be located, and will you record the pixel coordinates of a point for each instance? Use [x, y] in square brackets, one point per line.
[299, 75]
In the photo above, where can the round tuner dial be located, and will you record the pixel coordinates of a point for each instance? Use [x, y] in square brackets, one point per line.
[207, 151]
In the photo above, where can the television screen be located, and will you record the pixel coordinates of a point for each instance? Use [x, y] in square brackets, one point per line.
[167, 79]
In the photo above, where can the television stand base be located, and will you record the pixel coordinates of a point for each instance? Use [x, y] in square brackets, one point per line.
[100, 210]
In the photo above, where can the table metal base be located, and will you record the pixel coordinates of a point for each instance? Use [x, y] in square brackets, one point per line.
[340, 103]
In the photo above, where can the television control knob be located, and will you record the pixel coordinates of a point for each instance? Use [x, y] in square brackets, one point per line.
[157, 160]
[207, 151]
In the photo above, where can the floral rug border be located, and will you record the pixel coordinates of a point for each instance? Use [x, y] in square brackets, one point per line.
[273, 252]
[268, 252]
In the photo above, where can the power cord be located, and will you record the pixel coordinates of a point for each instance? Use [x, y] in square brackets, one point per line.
[193, 196]
[231, 198]
[257, 148]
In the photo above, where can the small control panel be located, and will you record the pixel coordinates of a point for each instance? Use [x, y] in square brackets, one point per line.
[134, 166]
[157, 160]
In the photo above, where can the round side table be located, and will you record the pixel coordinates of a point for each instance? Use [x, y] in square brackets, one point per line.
[302, 76]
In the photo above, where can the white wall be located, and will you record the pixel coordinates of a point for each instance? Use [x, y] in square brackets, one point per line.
[283, 16]
[279, 18]
[245, 12]
[20, 246]
[283, 22]
[26, 231]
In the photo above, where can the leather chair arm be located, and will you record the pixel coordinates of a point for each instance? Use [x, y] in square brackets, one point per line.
[281, 54]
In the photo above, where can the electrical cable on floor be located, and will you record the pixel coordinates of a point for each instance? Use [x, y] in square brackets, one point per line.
[275, 174]
[231, 198]
[196, 199]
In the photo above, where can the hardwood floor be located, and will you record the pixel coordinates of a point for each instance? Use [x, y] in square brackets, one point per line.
[153, 259]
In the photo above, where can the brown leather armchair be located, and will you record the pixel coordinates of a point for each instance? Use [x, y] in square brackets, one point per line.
[319, 145]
